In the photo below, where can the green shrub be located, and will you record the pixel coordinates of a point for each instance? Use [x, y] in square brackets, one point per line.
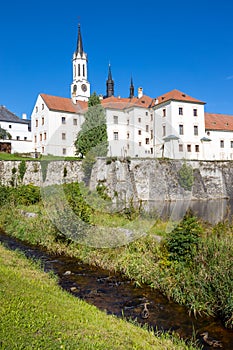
[184, 239]
[185, 177]
[22, 169]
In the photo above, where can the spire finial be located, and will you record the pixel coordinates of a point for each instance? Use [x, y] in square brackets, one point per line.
[79, 42]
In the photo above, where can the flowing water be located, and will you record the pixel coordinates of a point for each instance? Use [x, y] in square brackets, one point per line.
[121, 297]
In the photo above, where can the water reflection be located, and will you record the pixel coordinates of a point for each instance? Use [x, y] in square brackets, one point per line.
[212, 211]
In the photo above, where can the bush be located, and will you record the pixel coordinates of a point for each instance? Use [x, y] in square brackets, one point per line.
[184, 239]
[185, 177]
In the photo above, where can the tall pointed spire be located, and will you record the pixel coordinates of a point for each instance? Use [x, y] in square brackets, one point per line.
[79, 42]
[110, 83]
[131, 89]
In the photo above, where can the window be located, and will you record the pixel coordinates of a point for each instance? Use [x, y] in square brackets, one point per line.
[139, 132]
[45, 136]
[180, 110]
[64, 151]
[17, 138]
[146, 113]
[63, 136]
[195, 112]
[139, 120]
[10, 126]
[222, 143]
[180, 148]
[151, 117]
[151, 134]
[36, 109]
[189, 148]
[147, 141]
[36, 122]
[147, 128]
[181, 129]
[139, 144]
[75, 122]
[79, 70]
[151, 150]
[195, 128]
[42, 150]
[164, 130]
[208, 133]
[25, 138]
[164, 112]
[115, 119]
[127, 121]
[35, 139]
[84, 70]
[63, 120]
[127, 135]
[231, 144]
[42, 121]
[115, 135]
[40, 137]
[196, 148]
[42, 107]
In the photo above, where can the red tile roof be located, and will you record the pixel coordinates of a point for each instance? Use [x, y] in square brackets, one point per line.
[177, 95]
[63, 104]
[66, 105]
[123, 103]
[218, 122]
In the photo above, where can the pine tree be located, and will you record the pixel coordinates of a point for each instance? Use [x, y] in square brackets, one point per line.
[93, 134]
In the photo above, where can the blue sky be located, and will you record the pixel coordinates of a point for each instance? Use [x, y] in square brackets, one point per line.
[164, 45]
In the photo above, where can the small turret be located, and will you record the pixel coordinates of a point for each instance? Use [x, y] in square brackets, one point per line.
[131, 89]
[109, 83]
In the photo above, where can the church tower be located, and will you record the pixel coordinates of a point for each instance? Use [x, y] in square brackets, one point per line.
[109, 84]
[80, 88]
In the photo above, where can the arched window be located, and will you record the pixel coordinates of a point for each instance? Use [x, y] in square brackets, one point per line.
[79, 70]
[84, 70]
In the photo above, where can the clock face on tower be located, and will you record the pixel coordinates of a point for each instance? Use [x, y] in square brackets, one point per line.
[84, 87]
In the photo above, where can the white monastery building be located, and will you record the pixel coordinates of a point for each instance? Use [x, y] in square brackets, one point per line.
[19, 131]
[173, 125]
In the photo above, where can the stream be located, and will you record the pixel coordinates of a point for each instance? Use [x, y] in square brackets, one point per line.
[115, 295]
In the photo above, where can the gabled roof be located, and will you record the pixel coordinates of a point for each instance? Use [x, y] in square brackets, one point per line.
[215, 121]
[63, 104]
[176, 95]
[7, 116]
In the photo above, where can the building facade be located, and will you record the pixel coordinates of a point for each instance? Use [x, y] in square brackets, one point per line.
[19, 131]
[173, 125]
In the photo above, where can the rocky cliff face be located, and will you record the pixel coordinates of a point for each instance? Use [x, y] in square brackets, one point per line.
[126, 180]
[149, 180]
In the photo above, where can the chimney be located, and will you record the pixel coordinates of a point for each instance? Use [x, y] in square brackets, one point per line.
[24, 116]
[140, 92]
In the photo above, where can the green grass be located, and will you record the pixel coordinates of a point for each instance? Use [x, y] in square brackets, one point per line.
[36, 314]
[18, 156]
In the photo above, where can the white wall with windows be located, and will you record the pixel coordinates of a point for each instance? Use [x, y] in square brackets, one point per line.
[179, 128]
[220, 146]
[54, 132]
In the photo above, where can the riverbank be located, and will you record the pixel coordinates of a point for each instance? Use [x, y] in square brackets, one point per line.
[204, 285]
[36, 313]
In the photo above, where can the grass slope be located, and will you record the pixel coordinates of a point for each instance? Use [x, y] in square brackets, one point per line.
[36, 314]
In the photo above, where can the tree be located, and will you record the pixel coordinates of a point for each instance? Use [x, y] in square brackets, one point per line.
[4, 134]
[93, 134]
